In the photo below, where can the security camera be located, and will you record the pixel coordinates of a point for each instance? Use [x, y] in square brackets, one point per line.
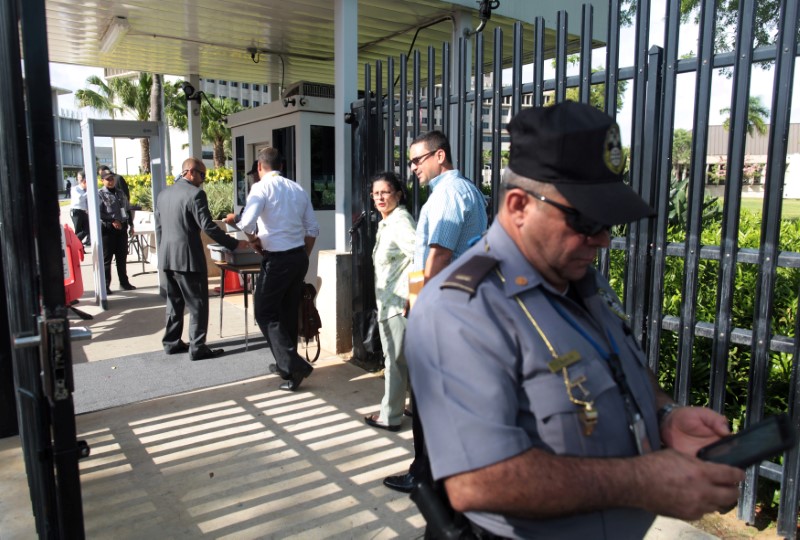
[191, 93]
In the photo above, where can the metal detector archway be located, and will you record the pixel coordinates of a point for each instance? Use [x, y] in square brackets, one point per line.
[131, 129]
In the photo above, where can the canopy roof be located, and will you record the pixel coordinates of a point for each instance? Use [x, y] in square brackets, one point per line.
[217, 39]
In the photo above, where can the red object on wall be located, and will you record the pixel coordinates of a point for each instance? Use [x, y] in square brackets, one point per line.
[73, 279]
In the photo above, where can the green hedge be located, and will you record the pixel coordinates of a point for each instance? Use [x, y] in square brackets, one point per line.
[783, 320]
[218, 187]
[784, 314]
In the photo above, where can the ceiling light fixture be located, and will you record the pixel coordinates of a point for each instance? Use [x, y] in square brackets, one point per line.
[116, 30]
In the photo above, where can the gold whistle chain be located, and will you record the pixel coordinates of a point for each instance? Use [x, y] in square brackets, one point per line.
[588, 405]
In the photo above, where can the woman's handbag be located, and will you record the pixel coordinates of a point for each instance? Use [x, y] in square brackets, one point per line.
[371, 334]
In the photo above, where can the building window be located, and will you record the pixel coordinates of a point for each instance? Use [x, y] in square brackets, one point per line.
[245, 85]
[246, 102]
[223, 83]
[257, 87]
[210, 81]
[235, 99]
[323, 183]
[235, 84]
[256, 103]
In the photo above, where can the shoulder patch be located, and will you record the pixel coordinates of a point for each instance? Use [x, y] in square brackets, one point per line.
[468, 275]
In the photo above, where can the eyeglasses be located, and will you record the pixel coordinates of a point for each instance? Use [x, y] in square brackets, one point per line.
[381, 194]
[414, 162]
[576, 221]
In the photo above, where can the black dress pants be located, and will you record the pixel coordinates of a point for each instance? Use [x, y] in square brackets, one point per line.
[276, 301]
[80, 222]
[115, 245]
[186, 290]
[420, 468]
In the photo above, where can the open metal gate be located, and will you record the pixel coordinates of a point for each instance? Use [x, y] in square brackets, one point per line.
[30, 242]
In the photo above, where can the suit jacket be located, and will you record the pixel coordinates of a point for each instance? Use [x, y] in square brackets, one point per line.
[181, 213]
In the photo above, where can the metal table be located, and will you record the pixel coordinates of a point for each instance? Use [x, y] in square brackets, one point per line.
[244, 271]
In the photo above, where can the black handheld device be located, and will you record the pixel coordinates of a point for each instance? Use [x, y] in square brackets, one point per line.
[770, 437]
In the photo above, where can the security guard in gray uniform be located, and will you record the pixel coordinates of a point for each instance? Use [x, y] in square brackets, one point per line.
[540, 414]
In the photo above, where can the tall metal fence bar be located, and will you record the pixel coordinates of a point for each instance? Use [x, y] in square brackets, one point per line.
[440, 97]
[777, 149]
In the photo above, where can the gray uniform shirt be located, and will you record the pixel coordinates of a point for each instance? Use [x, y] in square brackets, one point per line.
[113, 205]
[480, 374]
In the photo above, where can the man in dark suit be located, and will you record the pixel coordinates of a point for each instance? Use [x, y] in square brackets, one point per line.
[181, 213]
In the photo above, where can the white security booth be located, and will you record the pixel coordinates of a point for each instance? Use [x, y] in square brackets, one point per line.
[301, 128]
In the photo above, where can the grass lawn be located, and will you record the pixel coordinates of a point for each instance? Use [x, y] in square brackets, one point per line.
[791, 207]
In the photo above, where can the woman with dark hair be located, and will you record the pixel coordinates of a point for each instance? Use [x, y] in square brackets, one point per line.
[392, 257]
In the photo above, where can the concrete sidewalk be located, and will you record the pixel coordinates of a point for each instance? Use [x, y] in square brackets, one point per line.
[242, 460]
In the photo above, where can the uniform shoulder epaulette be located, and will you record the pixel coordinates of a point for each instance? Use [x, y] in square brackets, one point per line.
[468, 275]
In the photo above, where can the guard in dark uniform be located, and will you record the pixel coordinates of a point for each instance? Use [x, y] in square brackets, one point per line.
[115, 220]
[540, 413]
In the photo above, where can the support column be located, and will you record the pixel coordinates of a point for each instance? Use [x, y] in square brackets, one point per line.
[335, 264]
[346, 78]
[195, 129]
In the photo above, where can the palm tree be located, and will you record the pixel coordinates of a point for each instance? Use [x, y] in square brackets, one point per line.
[121, 95]
[213, 113]
[757, 114]
[175, 107]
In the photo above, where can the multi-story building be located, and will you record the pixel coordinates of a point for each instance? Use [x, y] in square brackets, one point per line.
[247, 94]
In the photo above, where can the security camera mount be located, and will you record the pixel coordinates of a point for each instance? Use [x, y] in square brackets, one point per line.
[191, 93]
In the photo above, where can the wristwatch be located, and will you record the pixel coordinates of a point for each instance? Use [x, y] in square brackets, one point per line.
[665, 411]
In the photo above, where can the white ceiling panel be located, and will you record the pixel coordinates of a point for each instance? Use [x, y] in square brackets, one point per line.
[211, 38]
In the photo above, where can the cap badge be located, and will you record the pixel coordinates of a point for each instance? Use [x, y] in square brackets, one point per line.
[612, 151]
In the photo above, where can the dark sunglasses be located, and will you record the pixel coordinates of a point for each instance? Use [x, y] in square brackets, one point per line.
[576, 221]
[419, 159]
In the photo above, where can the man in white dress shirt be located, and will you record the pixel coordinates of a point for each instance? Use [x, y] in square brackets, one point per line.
[279, 222]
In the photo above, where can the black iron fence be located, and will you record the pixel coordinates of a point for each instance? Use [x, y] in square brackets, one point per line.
[470, 96]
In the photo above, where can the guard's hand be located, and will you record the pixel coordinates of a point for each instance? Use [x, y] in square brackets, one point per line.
[230, 219]
[676, 485]
[243, 244]
[688, 429]
[116, 224]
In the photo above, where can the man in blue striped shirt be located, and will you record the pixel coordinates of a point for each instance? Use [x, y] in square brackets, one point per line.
[453, 217]
[455, 212]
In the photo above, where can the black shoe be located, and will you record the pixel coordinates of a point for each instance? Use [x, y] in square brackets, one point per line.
[206, 352]
[273, 368]
[372, 420]
[408, 412]
[109, 291]
[128, 287]
[293, 383]
[404, 483]
[181, 347]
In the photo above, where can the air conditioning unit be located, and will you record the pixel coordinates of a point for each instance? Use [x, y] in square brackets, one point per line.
[309, 89]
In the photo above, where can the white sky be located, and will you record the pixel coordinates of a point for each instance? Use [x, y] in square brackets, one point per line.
[70, 77]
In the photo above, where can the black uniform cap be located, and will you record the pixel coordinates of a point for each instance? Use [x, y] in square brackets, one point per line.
[578, 149]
